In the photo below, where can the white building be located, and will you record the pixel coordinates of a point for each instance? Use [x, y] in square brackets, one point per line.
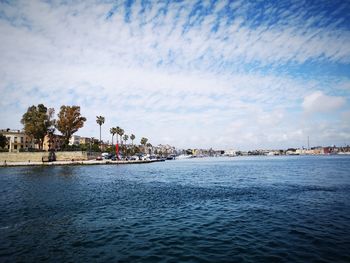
[18, 140]
[74, 140]
[230, 152]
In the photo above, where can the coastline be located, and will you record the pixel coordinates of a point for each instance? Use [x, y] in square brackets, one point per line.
[88, 162]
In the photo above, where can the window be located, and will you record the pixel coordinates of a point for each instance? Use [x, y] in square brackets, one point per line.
[15, 147]
[15, 139]
[22, 139]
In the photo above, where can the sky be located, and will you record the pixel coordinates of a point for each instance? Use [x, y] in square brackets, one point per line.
[193, 74]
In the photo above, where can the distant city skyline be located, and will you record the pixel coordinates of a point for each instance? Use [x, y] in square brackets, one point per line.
[192, 74]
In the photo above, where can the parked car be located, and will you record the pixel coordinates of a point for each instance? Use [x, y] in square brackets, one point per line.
[110, 156]
[99, 158]
[104, 156]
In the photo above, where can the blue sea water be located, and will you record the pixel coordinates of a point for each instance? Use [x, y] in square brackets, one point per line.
[253, 209]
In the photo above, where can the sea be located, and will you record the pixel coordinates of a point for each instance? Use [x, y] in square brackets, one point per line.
[240, 209]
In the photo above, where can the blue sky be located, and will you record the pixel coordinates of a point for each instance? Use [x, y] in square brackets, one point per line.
[222, 74]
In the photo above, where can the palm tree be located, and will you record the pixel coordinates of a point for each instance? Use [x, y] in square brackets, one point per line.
[100, 120]
[125, 138]
[149, 146]
[132, 138]
[117, 131]
[143, 142]
[121, 133]
[113, 131]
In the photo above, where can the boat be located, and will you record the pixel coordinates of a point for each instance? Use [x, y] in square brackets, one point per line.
[183, 156]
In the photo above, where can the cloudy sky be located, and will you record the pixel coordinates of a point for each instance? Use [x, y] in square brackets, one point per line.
[222, 74]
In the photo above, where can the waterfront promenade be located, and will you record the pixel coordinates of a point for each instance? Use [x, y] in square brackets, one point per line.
[88, 162]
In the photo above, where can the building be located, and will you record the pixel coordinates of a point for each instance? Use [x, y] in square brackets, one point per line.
[164, 150]
[18, 140]
[230, 152]
[88, 140]
[74, 140]
[53, 142]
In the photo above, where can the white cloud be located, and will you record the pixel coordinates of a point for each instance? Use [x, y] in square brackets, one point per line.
[319, 102]
[155, 80]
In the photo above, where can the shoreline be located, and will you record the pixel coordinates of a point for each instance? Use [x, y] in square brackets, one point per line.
[88, 162]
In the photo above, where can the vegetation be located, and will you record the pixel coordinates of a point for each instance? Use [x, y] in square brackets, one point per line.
[132, 138]
[37, 120]
[149, 146]
[100, 120]
[113, 131]
[143, 143]
[3, 141]
[69, 121]
[117, 131]
[121, 132]
[125, 138]
[125, 149]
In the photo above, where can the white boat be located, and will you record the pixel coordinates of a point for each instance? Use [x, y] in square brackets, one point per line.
[183, 156]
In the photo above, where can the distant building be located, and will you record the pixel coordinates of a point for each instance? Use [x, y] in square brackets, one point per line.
[85, 140]
[18, 140]
[164, 150]
[74, 140]
[53, 142]
[230, 153]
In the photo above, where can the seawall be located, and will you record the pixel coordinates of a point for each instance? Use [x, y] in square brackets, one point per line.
[38, 156]
[90, 162]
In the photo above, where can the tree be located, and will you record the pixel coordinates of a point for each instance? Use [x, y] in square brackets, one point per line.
[3, 141]
[132, 138]
[118, 131]
[125, 138]
[143, 142]
[100, 120]
[69, 121]
[37, 120]
[149, 146]
[113, 131]
[121, 132]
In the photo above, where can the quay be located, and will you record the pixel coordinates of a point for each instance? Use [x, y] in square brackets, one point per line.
[87, 162]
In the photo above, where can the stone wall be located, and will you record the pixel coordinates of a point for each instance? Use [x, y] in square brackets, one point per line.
[37, 156]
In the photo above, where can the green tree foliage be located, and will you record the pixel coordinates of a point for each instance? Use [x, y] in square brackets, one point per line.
[118, 131]
[132, 138]
[149, 146]
[113, 131]
[121, 133]
[136, 150]
[3, 141]
[125, 138]
[143, 141]
[37, 120]
[100, 120]
[69, 121]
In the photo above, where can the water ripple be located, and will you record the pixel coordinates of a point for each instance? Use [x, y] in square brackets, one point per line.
[208, 210]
